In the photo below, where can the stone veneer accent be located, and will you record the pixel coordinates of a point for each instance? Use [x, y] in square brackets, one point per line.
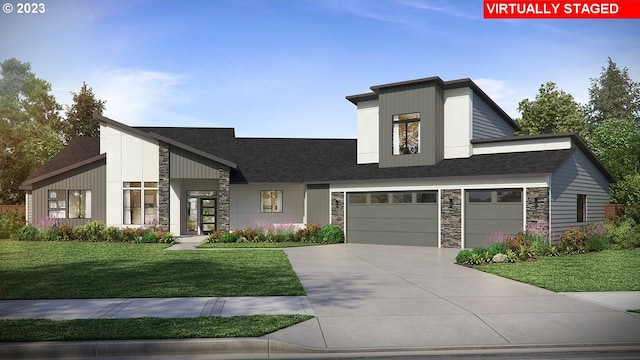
[337, 209]
[451, 218]
[163, 186]
[224, 204]
[538, 211]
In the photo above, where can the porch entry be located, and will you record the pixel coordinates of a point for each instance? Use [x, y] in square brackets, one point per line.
[201, 212]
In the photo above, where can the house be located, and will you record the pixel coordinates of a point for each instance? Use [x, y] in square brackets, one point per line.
[435, 163]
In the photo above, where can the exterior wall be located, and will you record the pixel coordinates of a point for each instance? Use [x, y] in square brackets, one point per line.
[457, 123]
[428, 100]
[368, 132]
[451, 218]
[245, 204]
[130, 157]
[317, 204]
[338, 210]
[522, 146]
[577, 176]
[187, 165]
[90, 177]
[487, 123]
[537, 206]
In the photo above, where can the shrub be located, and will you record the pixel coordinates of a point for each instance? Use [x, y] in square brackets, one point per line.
[553, 251]
[26, 233]
[463, 256]
[132, 235]
[148, 236]
[517, 241]
[309, 233]
[228, 238]
[10, 223]
[623, 234]
[66, 232]
[573, 240]
[511, 256]
[331, 234]
[112, 234]
[79, 233]
[497, 248]
[215, 236]
[538, 247]
[94, 231]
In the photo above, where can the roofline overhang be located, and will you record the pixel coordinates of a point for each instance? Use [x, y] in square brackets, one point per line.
[28, 184]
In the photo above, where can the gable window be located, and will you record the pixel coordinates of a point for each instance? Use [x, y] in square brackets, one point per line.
[57, 204]
[140, 203]
[581, 209]
[271, 201]
[406, 134]
[79, 204]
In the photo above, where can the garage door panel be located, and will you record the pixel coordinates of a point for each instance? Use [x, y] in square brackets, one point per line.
[490, 226]
[390, 211]
[394, 238]
[401, 225]
[494, 211]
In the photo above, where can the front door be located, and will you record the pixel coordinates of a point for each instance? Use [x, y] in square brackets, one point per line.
[208, 215]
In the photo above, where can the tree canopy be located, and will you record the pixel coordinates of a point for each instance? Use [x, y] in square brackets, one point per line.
[79, 116]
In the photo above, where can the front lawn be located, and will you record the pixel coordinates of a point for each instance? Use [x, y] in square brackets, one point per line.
[609, 270]
[71, 270]
[28, 330]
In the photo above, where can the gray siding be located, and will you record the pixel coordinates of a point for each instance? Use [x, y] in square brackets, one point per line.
[90, 177]
[393, 224]
[186, 165]
[428, 100]
[318, 204]
[487, 123]
[576, 176]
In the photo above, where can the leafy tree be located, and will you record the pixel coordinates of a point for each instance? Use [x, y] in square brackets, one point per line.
[617, 143]
[613, 95]
[28, 116]
[553, 111]
[628, 193]
[79, 116]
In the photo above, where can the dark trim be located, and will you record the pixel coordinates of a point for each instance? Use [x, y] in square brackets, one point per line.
[193, 150]
[28, 184]
[355, 99]
[575, 138]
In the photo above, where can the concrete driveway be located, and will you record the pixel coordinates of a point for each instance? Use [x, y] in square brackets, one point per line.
[375, 296]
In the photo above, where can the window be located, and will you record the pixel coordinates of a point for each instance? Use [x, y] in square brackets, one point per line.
[480, 195]
[271, 201]
[427, 197]
[79, 204]
[140, 203]
[402, 197]
[357, 198]
[406, 134]
[581, 208]
[379, 198]
[510, 196]
[57, 204]
[201, 193]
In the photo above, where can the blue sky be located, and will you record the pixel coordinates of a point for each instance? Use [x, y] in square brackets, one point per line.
[281, 68]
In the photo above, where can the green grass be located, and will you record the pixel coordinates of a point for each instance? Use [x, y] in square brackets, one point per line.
[70, 270]
[610, 270]
[144, 328]
[257, 245]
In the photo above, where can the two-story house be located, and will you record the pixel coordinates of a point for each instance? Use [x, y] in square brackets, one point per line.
[435, 163]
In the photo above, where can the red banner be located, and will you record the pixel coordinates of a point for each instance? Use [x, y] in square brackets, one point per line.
[561, 9]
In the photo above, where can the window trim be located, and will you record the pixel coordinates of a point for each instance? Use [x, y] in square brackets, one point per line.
[143, 187]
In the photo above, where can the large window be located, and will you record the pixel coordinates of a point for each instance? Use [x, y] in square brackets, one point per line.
[581, 208]
[271, 201]
[406, 134]
[57, 204]
[140, 203]
[69, 204]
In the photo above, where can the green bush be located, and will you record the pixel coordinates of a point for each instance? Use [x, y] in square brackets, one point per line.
[624, 234]
[94, 231]
[331, 234]
[112, 234]
[539, 247]
[463, 256]
[10, 223]
[149, 237]
[497, 248]
[228, 238]
[26, 233]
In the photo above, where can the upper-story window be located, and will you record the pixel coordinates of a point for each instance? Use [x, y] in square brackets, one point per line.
[406, 134]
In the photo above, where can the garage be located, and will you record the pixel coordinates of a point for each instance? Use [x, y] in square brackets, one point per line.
[489, 212]
[393, 218]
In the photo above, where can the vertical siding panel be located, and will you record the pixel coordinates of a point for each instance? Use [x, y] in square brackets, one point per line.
[318, 203]
[487, 123]
[186, 165]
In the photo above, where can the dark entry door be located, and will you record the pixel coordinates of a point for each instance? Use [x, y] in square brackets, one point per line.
[208, 215]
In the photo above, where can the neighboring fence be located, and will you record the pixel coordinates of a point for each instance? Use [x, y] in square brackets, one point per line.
[12, 208]
[612, 211]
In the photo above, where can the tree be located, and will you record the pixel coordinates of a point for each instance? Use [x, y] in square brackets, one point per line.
[628, 193]
[79, 116]
[553, 111]
[613, 95]
[616, 142]
[28, 116]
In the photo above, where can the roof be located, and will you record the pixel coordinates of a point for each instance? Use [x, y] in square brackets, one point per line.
[446, 85]
[79, 152]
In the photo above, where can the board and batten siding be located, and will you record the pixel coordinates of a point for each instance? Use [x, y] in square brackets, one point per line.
[318, 203]
[576, 176]
[90, 177]
[428, 100]
[487, 123]
[187, 165]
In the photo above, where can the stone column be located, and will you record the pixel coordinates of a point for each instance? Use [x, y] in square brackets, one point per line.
[163, 187]
[451, 218]
[538, 207]
[337, 209]
[224, 203]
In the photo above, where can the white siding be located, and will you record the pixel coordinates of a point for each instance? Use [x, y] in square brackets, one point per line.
[129, 158]
[368, 132]
[522, 146]
[457, 123]
[246, 202]
[577, 175]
